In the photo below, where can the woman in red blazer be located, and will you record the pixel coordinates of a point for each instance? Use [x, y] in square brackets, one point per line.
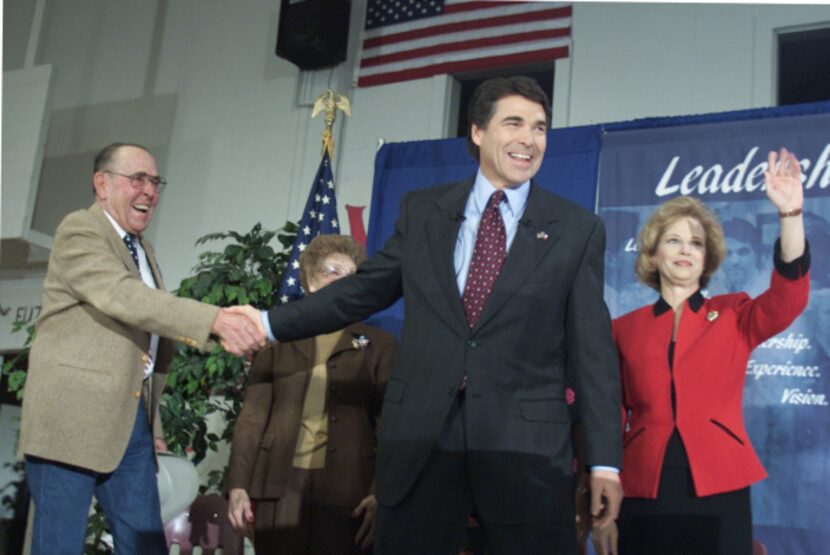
[687, 459]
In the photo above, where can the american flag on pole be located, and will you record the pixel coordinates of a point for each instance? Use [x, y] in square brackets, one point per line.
[413, 39]
[319, 217]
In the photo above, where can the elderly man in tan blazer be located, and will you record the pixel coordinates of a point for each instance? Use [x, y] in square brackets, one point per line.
[97, 364]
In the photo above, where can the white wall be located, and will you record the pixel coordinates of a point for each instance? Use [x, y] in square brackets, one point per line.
[639, 60]
[197, 80]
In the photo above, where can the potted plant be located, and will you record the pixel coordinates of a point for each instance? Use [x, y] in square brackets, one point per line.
[247, 271]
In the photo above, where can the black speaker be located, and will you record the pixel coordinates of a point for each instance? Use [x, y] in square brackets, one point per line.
[313, 34]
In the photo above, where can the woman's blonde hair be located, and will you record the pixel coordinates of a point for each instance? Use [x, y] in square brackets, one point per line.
[663, 217]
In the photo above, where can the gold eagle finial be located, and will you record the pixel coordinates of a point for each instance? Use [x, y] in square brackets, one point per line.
[330, 102]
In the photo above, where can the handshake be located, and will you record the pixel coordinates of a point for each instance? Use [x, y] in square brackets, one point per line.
[240, 329]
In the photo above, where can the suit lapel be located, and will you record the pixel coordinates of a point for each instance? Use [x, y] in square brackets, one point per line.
[442, 228]
[306, 349]
[535, 236]
[151, 259]
[692, 326]
[117, 244]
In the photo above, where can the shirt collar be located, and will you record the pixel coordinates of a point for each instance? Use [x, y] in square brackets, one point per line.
[695, 302]
[516, 196]
[118, 228]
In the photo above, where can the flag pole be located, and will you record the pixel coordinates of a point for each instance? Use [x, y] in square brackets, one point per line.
[320, 213]
[330, 102]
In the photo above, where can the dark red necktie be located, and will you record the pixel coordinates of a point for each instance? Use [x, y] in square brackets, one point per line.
[488, 258]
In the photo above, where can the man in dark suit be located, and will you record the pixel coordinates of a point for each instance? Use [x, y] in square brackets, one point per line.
[502, 283]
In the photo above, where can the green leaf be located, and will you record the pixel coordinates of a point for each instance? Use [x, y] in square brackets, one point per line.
[265, 252]
[232, 292]
[17, 380]
[232, 250]
[211, 237]
[237, 236]
[264, 286]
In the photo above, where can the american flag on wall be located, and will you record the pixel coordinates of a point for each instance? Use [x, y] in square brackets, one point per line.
[319, 217]
[413, 39]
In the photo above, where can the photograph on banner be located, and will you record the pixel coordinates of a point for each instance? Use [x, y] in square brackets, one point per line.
[787, 388]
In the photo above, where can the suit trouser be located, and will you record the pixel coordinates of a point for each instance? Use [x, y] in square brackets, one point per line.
[433, 517]
[62, 495]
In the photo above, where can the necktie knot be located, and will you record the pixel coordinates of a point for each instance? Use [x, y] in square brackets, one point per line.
[495, 200]
[130, 240]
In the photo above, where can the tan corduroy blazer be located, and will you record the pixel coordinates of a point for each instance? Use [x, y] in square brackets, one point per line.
[86, 366]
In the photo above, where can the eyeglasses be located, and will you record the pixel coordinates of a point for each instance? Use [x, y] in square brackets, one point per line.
[140, 179]
[335, 270]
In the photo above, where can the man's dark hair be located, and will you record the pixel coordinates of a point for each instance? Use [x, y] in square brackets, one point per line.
[482, 104]
[106, 156]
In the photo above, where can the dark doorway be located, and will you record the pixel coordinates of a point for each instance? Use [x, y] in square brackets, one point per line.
[803, 62]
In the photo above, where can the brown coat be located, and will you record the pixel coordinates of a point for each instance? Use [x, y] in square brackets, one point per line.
[86, 365]
[265, 434]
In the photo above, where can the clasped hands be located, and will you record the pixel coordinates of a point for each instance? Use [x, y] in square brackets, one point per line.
[240, 330]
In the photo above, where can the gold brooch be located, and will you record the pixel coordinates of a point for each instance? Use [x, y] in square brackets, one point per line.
[712, 316]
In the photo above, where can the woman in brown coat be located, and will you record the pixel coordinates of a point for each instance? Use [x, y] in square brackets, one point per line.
[301, 474]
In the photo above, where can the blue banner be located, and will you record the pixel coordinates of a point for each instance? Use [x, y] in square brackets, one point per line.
[786, 396]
